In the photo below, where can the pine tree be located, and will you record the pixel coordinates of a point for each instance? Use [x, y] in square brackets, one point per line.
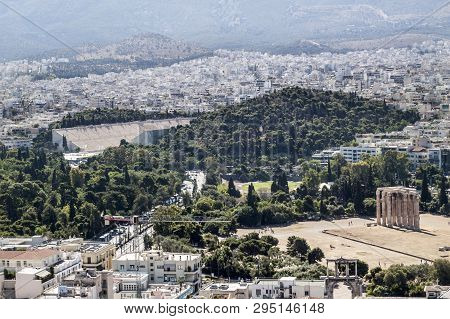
[20, 177]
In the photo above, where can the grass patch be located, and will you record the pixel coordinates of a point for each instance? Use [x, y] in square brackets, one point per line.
[263, 187]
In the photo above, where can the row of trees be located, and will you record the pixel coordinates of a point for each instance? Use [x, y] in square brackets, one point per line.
[40, 193]
[407, 280]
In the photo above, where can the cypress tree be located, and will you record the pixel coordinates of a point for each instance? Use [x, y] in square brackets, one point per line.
[283, 182]
[64, 143]
[72, 211]
[329, 173]
[54, 180]
[232, 191]
[252, 196]
[126, 175]
[274, 187]
[443, 199]
[425, 195]
[323, 208]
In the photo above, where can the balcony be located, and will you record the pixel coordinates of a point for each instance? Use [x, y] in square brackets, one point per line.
[167, 269]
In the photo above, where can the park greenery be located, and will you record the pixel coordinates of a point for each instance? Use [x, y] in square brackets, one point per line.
[41, 194]
[251, 139]
[407, 280]
[268, 139]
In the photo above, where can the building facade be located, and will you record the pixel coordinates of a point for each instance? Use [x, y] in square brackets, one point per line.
[97, 255]
[162, 267]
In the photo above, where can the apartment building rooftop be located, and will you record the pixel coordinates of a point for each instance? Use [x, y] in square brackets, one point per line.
[36, 254]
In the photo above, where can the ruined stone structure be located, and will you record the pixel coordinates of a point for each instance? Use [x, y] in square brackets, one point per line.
[398, 206]
[345, 272]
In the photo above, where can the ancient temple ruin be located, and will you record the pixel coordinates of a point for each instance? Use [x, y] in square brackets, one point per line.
[398, 206]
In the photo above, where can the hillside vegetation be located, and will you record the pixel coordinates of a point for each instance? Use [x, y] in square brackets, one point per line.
[278, 129]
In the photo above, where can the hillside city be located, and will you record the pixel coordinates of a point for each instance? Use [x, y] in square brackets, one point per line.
[102, 210]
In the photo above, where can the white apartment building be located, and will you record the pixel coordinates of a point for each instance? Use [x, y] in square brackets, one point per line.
[13, 142]
[324, 156]
[97, 255]
[162, 267]
[132, 285]
[353, 154]
[226, 291]
[38, 259]
[287, 288]
[83, 284]
[418, 156]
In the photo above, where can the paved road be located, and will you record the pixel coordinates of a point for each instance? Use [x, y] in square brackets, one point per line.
[136, 244]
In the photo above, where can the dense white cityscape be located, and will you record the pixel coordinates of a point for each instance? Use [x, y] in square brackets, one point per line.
[408, 78]
[230, 149]
[119, 266]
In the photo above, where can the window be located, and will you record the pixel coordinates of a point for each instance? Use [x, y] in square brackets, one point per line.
[18, 264]
[132, 267]
[122, 267]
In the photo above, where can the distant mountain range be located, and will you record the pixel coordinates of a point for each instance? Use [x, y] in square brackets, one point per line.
[144, 47]
[213, 24]
[139, 52]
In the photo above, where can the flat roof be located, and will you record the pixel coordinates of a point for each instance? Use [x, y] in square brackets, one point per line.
[93, 246]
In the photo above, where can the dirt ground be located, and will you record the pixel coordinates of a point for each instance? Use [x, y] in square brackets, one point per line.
[435, 233]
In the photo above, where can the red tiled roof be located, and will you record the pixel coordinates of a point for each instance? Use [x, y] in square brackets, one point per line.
[27, 254]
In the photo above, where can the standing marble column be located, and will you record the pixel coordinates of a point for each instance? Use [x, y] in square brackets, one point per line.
[401, 213]
[405, 211]
[383, 208]
[410, 213]
[415, 201]
[400, 210]
[394, 209]
[378, 207]
[389, 209]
